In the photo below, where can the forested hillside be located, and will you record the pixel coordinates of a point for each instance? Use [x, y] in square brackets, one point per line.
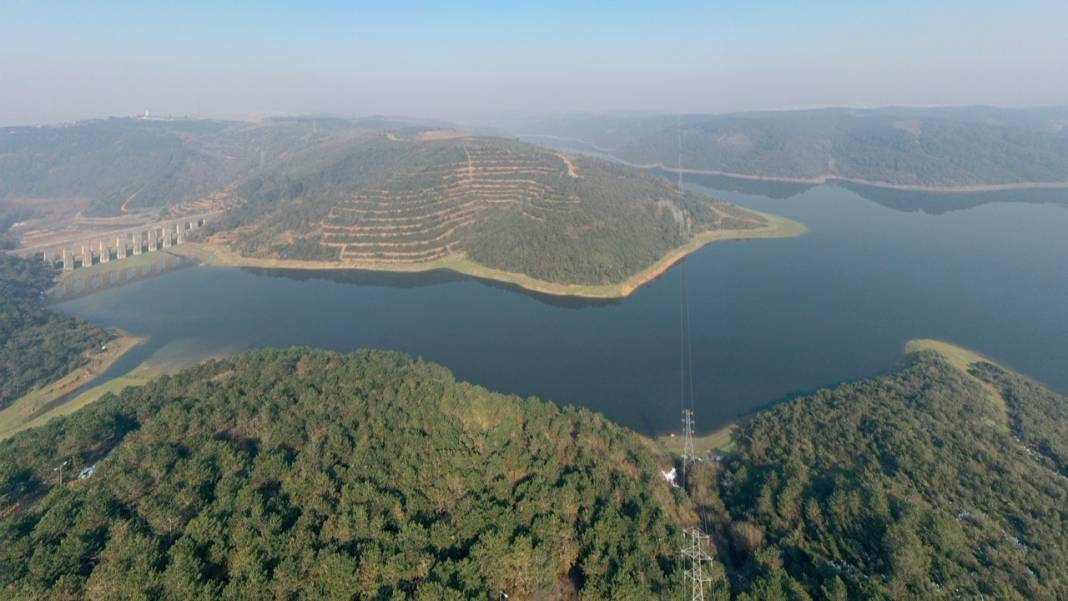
[308, 474]
[503, 204]
[130, 164]
[937, 148]
[302, 474]
[926, 483]
[37, 346]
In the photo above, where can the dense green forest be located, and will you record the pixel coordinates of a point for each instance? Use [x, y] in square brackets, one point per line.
[505, 204]
[297, 473]
[948, 147]
[307, 474]
[926, 483]
[37, 346]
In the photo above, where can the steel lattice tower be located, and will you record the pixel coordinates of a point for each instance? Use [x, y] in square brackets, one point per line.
[698, 572]
[688, 454]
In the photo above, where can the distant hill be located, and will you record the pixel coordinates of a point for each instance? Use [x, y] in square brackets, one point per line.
[396, 200]
[122, 163]
[949, 148]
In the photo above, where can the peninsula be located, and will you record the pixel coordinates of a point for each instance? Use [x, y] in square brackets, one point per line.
[487, 207]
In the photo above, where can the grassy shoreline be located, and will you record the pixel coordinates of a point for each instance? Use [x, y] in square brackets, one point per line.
[777, 227]
[35, 408]
[718, 441]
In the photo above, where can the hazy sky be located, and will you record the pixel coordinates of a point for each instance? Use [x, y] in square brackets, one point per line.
[465, 60]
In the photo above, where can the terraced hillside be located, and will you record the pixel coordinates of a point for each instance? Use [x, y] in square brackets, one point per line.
[424, 215]
[397, 202]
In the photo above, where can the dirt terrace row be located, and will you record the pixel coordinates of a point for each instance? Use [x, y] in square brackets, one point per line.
[401, 224]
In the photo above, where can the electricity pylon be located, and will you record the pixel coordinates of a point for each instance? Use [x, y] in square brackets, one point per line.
[688, 454]
[700, 567]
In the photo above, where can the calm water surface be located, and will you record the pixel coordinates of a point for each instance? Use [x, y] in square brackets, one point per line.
[770, 318]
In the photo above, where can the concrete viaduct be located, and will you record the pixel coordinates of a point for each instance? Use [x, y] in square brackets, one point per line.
[118, 244]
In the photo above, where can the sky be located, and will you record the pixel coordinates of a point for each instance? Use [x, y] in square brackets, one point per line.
[481, 61]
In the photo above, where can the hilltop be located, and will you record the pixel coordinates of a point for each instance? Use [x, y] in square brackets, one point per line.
[946, 149]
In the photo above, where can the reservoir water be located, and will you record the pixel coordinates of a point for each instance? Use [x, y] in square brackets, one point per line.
[770, 318]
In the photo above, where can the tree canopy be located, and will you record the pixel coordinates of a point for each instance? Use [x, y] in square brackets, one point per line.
[37, 346]
[928, 482]
[297, 473]
[307, 474]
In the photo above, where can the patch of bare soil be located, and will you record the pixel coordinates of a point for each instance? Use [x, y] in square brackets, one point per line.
[570, 166]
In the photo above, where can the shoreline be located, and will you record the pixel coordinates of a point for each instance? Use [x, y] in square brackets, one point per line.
[35, 408]
[777, 227]
[720, 440]
[830, 179]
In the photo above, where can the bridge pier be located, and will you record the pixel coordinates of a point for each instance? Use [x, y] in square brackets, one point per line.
[75, 254]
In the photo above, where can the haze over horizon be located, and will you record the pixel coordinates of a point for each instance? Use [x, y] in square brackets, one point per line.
[476, 61]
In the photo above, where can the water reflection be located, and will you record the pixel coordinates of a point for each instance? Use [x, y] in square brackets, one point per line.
[941, 203]
[101, 277]
[908, 201]
[422, 279]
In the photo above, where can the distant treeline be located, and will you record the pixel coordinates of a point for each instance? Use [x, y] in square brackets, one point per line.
[950, 147]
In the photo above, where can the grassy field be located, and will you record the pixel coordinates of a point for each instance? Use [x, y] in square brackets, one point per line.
[38, 406]
[778, 227]
[142, 374]
[717, 442]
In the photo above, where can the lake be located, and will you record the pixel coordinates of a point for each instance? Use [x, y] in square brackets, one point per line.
[769, 318]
